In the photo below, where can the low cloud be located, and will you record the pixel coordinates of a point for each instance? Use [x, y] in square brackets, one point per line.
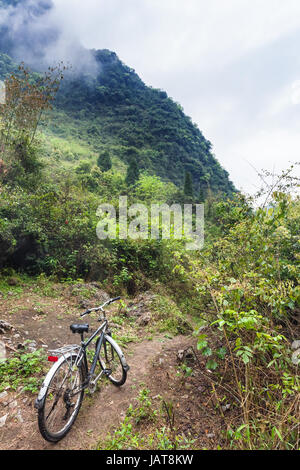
[31, 31]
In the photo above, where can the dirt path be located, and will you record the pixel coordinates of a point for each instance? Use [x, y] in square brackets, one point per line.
[44, 321]
[100, 413]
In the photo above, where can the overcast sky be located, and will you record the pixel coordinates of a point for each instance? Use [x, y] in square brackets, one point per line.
[234, 66]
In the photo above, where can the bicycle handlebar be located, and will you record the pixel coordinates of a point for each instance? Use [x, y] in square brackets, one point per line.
[114, 299]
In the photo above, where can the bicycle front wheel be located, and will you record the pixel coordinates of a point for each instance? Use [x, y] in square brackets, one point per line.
[113, 361]
[62, 399]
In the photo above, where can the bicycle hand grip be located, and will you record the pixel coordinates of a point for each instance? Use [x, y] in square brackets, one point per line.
[114, 299]
[85, 313]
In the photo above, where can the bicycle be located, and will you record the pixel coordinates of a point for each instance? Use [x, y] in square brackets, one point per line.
[61, 394]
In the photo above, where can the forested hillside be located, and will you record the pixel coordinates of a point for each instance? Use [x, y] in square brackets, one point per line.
[134, 117]
[114, 110]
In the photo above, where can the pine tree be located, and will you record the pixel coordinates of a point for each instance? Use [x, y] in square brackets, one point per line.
[104, 161]
[201, 195]
[133, 172]
[188, 186]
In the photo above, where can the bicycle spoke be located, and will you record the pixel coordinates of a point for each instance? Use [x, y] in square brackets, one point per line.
[110, 361]
[62, 400]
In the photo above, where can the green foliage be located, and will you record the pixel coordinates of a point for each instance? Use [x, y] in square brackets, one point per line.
[248, 280]
[188, 187]
[123, 438]
[53, 231]
[130, 433]
[151, 189]
[144, 411]
[104, 161]
[83, 168]
[27, 98]
[133, 171]
[24, 369]
[7, 66]
[168, 316]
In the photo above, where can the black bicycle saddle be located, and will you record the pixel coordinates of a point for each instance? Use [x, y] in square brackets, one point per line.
[79, 327]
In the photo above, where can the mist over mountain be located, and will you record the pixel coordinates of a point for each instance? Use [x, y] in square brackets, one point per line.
[26, 30]
[105, 103]
[30, 31]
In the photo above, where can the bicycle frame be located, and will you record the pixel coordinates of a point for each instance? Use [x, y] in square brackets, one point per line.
[84, 345]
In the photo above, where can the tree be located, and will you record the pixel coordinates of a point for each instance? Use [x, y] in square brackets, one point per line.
[104, 161]
[83, 168]
[201, 195]
[152, 188]
[27, 97]
[188, 185]
[133, 172]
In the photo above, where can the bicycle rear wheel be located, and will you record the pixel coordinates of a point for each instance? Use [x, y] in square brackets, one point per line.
[62, 399]
[111, 358]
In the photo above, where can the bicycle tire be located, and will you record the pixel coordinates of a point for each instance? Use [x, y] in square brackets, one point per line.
[63, 379]
[111, 357]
